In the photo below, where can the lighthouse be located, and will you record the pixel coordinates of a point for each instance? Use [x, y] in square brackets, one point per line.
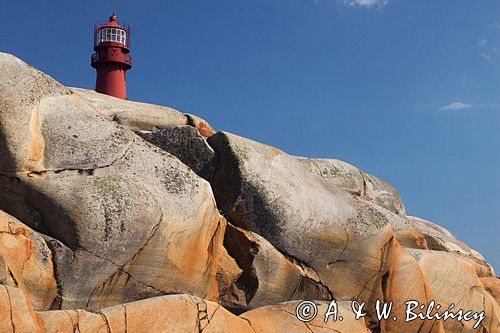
[111, 58]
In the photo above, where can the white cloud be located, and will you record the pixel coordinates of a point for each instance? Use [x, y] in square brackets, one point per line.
[456, 106]
[481, 42]
[366, 3]
[460, 105]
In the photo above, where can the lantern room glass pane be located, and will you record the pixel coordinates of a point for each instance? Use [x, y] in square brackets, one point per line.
[112, 35]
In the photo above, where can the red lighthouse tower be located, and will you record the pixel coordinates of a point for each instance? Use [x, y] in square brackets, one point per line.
[111, 59]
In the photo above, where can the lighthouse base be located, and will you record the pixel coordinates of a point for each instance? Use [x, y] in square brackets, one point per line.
[111, 80]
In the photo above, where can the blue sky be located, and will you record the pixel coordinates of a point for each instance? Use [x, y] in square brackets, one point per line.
[406, 90]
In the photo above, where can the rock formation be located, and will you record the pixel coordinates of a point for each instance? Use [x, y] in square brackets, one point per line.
[120, 216]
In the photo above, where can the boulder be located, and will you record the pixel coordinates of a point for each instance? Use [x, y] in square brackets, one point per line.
[201, 125]
[338, 174]
[321, 220]
[16, 313]
[455, 281]
[131, 221]
[110, 222]
[403, 281]
[282, 318]
[173, 313]
[26, 262]
[268, 276]
[69, 321]
[185, 313]
[22, 87]
[185, 143]
[492, 285]
[131, 115]
[438, 238]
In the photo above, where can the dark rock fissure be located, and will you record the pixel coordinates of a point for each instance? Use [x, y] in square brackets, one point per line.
[11, 310]
[16, 284]
[243, 251]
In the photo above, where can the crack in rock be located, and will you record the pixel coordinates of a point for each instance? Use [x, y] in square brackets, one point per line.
[82, 171]
[339, 258]
[11, 310]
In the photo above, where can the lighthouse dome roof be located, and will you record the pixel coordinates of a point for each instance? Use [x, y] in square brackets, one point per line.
[112, 22]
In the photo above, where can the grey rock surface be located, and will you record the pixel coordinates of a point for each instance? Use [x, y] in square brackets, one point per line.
[105, 201]
[315, 214]
[268, 276]
[132, 115]
[185, 143]
[131, 214]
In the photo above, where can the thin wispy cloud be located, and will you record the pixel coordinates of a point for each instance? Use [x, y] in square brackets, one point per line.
[481, 42]
[456, 106]
[460, 106]
[366, 3]
[482, 45]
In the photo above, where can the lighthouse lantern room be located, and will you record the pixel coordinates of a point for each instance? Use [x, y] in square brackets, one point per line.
[111, 58]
